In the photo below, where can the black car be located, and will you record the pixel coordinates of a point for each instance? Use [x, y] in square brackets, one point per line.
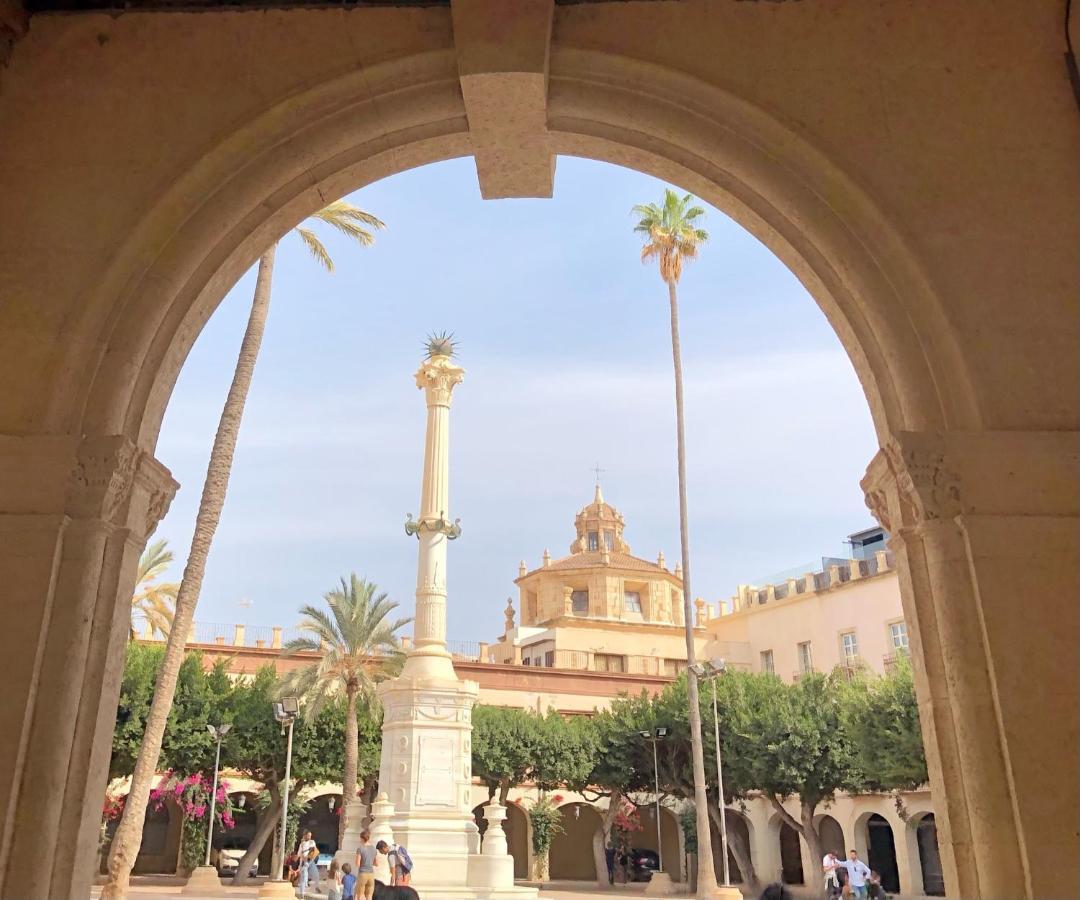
[642, 863]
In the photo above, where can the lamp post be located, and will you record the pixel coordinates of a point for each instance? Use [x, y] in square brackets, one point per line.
[217, 734]
[285, 711]
[711, 669]
[653, 737]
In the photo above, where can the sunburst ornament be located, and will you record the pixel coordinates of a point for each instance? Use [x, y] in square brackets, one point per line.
[441, 343]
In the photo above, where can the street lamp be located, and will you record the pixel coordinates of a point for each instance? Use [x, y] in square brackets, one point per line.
[653, 737]
[711, 669]
[285, 711]
[217, 734]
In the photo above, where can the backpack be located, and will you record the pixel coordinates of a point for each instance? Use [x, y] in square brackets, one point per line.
[404, 860]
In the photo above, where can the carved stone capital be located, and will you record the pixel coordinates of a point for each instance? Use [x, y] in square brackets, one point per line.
[438, 377]
[117, 482]
[910, 482]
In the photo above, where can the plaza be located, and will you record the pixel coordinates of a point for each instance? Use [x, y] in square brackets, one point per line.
[914, 167]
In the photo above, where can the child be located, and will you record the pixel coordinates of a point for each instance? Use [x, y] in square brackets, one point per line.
[333, 877]
[348, 883]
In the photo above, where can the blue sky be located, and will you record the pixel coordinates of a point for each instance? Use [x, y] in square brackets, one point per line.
[564, 338]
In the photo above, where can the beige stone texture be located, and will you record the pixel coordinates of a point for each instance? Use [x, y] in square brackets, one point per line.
[914, 165]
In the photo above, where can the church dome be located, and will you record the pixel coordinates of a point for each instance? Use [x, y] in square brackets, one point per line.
[599, 526]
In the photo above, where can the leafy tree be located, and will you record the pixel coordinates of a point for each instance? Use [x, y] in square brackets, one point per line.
[562, 751]
[670, 235]
[151, 600]
[502, 739]
[353, 223]
[801, 746]
[359, 647]
[881, 717]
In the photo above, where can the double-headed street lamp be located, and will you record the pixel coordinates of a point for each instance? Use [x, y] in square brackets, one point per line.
[653, 737]
[217, 733]
[285, 711]
[711, 669]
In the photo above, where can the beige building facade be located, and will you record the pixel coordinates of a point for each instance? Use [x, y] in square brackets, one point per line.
[916, 170]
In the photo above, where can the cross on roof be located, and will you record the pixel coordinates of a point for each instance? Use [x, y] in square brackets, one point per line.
[598, 471]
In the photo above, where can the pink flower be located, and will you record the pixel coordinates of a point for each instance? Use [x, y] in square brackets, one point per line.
[178, 789]
[200, 810]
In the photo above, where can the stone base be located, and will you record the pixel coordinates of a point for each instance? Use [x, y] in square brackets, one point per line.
[660, 885]
[204, 882]
[725, 893]
[277, 890]
[457, 892]
[489, 872]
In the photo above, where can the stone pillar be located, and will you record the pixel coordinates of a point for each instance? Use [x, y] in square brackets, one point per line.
[982, 524]
[493, 868]
[239, 635]
[355, 814]
[74, 518]
[275, 637]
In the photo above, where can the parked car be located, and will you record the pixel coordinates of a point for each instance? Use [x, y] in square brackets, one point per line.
[229, 859]
[642, 863]
[326, 856]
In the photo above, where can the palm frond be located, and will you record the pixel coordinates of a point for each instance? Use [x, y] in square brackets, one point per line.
[316, 248]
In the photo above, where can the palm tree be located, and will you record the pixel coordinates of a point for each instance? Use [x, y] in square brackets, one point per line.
[153, 601]
[671, 234]
[354, 224]
[359, 648]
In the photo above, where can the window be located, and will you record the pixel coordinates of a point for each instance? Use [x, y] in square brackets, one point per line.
[579, 601]
[549, 659]
[673, 667]
[849, 645]
[594, 540]
[609, 662]
[632, 601]
[767, 662]
[898, 636]
[609, 540]
[806, 659]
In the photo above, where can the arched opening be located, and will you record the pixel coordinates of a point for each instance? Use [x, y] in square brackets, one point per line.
[571, 856]
[832, 836]
[928, 864]
[237, 840]
[322, 818]
[669, 834]
[880, 849]
[516, 828]
[739, 834]
[107, 340]
[160, 849]
[791, 868]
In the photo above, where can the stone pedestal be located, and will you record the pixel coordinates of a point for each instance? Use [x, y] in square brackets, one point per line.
[355, 821]
[204, 882]
[276, 890]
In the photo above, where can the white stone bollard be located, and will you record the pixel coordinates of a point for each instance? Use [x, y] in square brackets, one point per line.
[355, 815]
[493, 868]
[495, 836]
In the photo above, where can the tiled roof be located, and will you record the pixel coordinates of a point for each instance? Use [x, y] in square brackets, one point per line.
[593, 559]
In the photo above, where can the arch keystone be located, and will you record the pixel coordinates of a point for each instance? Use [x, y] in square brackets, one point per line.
[503, 56]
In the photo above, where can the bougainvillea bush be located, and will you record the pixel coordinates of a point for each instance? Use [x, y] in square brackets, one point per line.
[191, 794]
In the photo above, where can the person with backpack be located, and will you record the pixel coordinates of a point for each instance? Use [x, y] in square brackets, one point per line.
[399, 862]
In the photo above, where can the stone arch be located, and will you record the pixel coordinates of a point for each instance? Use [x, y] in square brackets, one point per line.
[91, 348]
[739, 827]
[571, 856]
[790, 850]
[670, 834]
[924, 855]
[322, 818]
[245, 821]
[832, 835]
[876, 844]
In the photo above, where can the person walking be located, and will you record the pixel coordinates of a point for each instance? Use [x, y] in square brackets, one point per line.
[858, 873]
[365, 867]
[829, 866]
[309, 871]
[348, 883]
[333, 881]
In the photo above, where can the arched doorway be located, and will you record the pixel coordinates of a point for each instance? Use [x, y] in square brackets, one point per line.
[881, 850]
[93, 348]
[571, 855]
[245, 822]
[791, 868]
[926, 842]
[832, 836]
[669, 834]
[322, 818]
[738, 832]
[516, 827]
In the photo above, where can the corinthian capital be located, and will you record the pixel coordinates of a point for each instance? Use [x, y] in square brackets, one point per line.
[438, 376]
[910, 482]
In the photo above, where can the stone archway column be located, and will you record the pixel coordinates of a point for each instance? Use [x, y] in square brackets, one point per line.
[74, 519]
[985, 530]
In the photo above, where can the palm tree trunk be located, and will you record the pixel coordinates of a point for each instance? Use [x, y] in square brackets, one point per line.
[706, 881]
[352, 752]
[129, 833]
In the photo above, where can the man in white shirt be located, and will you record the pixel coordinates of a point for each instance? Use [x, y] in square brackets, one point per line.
[829, 865]
[858, 873]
